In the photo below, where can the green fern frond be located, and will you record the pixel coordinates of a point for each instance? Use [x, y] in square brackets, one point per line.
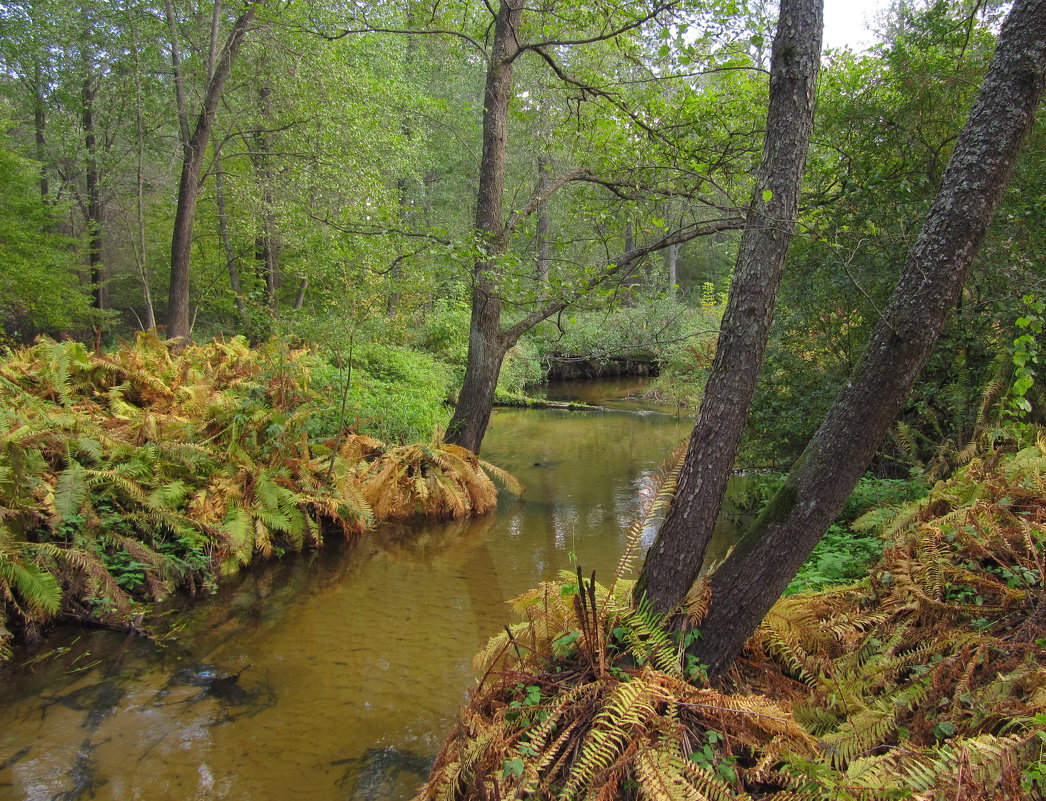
[237, 530]
[37, 588]
[69, 492]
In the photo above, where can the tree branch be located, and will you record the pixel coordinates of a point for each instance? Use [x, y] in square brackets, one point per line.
[625, 261]
[602, 37]
[540, 198]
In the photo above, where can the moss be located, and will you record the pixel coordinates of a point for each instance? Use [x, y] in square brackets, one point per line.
[776, 511]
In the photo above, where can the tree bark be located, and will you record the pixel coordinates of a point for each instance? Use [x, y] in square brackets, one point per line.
[541, 236]
[675, 558]
[770, 553]
[40, 127]
[267, 250]
[94, 212]
[139, 185]
[232, 261]
[193, 152]
[299, 299]
[486, 347]
[673, 269]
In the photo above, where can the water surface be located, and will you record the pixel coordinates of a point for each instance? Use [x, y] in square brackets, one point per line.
[332, 675]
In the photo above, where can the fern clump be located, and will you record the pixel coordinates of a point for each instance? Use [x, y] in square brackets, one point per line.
[592, 697]
[126, 475]
[929, 678]
[926, 680]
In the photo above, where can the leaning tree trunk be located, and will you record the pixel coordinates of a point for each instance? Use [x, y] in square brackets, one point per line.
[193, 151]
[486, 345]
[674, 560]
[753, 578]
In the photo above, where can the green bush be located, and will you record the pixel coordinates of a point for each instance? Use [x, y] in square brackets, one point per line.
[521, 368]
[657, 326]
[39, 286]
[445, 331]
[843, 554]
[395, 393]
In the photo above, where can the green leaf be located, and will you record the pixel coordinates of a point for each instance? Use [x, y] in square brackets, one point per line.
[513, 767]
[69, 491]
[767, 195]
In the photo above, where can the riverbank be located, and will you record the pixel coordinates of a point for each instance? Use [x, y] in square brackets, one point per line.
[927, 679]
[128, 475]
[351, 660]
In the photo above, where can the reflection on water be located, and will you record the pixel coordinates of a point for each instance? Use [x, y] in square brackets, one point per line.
[330, 675]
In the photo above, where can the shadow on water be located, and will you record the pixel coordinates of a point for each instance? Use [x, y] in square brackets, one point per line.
[330, 675]
[382, 773]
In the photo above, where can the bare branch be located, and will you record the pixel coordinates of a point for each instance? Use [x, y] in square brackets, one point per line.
[377, 231]
[623, 263]
[333, 37]
[540, 198]
[658, 9]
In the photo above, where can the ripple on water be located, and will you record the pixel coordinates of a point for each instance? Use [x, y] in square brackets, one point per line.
[330, 675]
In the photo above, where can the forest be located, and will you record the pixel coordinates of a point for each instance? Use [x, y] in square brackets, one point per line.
[268, 268]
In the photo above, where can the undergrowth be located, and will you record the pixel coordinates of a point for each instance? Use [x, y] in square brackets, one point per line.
[926, 680]
[126, 475]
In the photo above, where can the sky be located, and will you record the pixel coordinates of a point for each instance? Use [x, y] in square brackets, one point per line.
[846, 22]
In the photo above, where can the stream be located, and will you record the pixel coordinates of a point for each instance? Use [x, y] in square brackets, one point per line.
[333, 674]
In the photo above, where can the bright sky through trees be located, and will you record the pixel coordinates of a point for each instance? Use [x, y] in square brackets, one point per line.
[848, 22]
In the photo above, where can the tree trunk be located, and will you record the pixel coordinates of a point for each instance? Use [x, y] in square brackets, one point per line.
[486, 353]
[94, 212]
[673, 269]
[541, 237]
[141, 258]
[193, 152]
[232, 262]
[751, 580]
[267, 250]
[675, 558]
[39, 125]
[486, 349]
[299, 300]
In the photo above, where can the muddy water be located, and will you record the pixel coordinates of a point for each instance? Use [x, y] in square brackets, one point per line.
[330, 675]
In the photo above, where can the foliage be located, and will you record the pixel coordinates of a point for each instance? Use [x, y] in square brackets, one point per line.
[521, 368]
[886, 123]
[1025, 357]
[926, 681]
[124, 475]
[445, 331]
[847, 551]
[648, 325]
[394, 393]
[39, 290]
[677, 336]
[840, 557]
[589, 698]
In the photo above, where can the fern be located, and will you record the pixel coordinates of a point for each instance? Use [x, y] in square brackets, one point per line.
[69, 492]
[628, 709]
[36, 589]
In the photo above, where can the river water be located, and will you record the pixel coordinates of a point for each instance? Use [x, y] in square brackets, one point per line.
[331, 675]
